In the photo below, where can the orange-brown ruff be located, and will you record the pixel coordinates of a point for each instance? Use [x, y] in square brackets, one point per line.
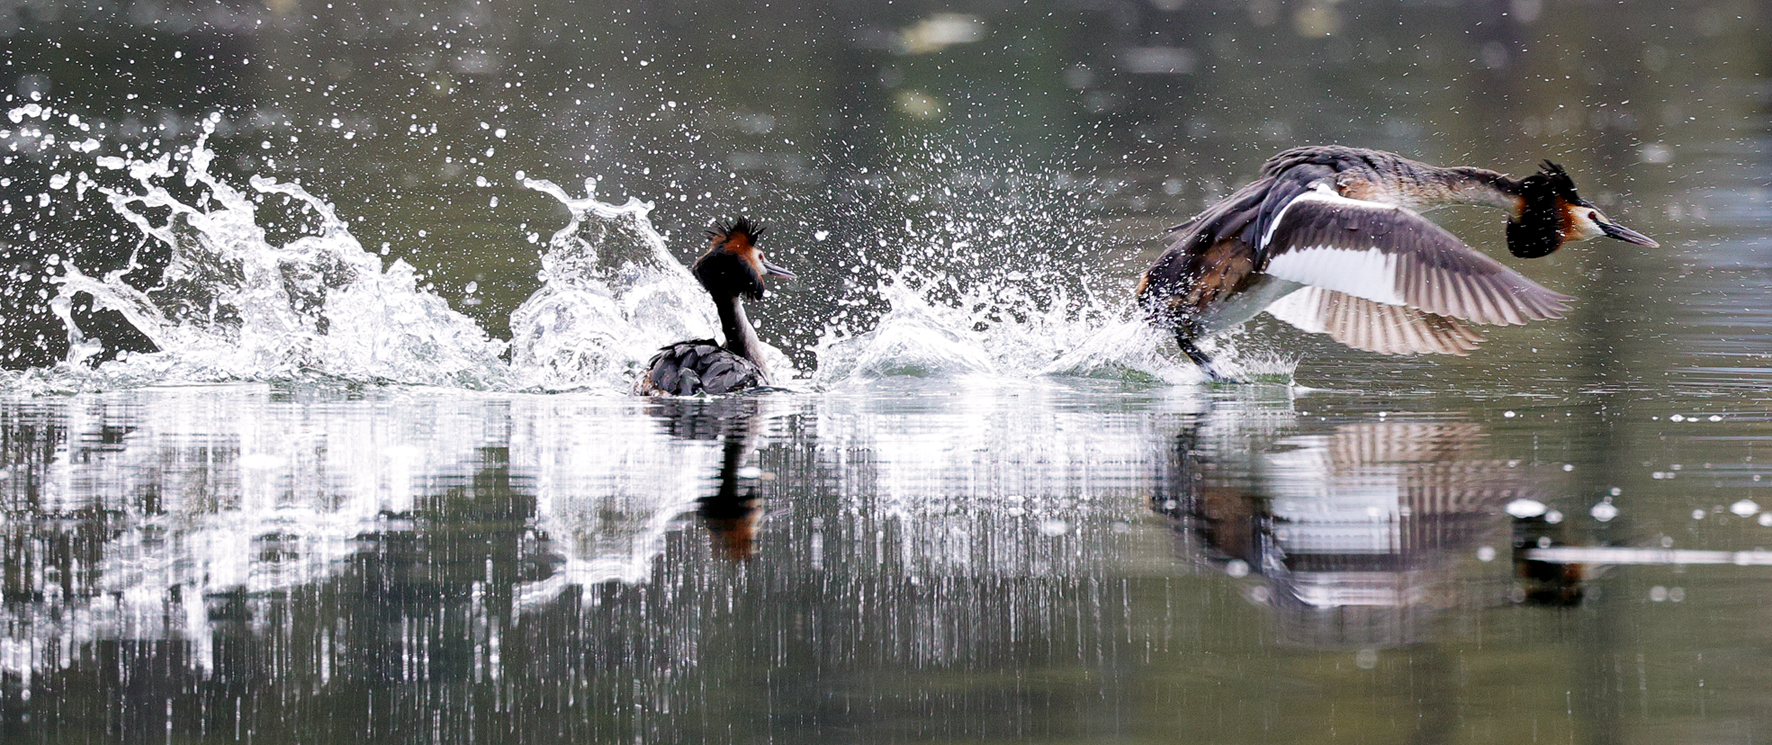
[731, 270]
[1329, 239]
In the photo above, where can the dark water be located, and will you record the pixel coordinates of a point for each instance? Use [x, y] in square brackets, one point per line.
[1556, 539]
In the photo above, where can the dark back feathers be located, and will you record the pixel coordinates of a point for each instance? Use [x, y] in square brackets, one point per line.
[689, 368]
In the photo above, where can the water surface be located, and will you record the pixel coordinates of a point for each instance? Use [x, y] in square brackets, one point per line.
[323, 316]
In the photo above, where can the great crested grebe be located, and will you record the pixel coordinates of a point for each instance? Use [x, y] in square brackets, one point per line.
[1329, 239]
[731, 270]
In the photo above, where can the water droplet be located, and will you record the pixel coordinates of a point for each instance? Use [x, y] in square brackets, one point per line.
[1604, 511]
[1524, 508]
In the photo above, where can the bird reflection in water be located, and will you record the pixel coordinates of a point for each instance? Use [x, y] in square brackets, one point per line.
[732, 513]
[1360, 534]
[1543, 582]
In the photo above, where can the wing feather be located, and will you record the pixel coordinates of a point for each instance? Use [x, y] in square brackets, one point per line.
[1373, 326]
[1394, 256]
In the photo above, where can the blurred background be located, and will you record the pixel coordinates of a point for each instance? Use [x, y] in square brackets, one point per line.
[1097, 559]
[1058, 136]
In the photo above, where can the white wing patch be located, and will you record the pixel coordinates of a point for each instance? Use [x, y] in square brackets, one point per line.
[1390, 255]
[1371, 274]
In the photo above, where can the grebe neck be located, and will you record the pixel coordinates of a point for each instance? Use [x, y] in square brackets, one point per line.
[1481, 186]
[741, 338]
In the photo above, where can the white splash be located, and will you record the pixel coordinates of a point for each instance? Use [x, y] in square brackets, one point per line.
[913, 339]
[232, 306]
[611, 295]
[999, 332]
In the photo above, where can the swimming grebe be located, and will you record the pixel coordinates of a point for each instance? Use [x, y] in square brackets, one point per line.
[1329, 240]
[731, 270]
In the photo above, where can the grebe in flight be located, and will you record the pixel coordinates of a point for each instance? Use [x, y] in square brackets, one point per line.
[731, 270]
[1329, 239]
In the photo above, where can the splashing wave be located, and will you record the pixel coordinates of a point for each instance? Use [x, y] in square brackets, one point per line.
[611, 295]
[233, 306]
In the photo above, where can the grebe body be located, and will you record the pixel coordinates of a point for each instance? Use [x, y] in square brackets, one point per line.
[731, 270]
[1330, 239]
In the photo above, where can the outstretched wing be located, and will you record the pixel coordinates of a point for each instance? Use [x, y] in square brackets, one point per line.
[1374, 327]
[1393, 256]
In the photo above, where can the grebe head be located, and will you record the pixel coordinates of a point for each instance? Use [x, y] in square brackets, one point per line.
[1551, 214]
[733, 265]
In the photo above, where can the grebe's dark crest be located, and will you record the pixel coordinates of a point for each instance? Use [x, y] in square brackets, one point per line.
[1330, 239]
[731, 270]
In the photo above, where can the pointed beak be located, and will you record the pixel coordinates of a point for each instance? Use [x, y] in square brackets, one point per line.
[776, 271]
[1627, 235]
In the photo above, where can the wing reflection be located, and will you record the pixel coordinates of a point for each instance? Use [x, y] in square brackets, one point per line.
[1359, 532]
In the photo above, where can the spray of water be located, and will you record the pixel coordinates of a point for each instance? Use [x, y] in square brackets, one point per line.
[998, 272]
[230, 305]
[611, 295]
[974, 284]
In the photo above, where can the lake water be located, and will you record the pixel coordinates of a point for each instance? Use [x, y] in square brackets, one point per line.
[337, 448]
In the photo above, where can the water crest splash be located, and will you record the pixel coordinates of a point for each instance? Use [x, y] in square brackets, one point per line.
[1000, 272]
[997, 332]
[955, 292]
[611, 295]
[230, 305]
